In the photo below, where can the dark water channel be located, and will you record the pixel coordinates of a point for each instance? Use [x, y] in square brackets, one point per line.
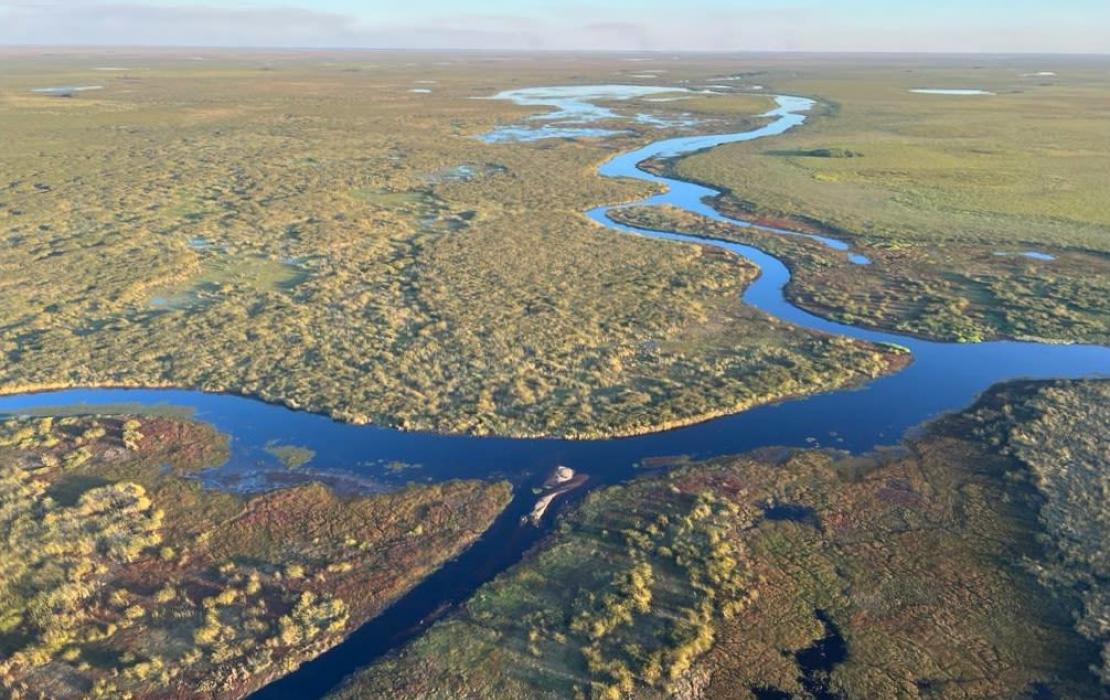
[942, 377]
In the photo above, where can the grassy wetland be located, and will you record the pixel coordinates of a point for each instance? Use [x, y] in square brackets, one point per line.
[308, 230]
[953, 292]
[120, 576]
[950, 566]
[371, 237]
[944, 192]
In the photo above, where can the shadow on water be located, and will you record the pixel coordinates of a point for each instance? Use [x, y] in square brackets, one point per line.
[791, 512]
[819, 659]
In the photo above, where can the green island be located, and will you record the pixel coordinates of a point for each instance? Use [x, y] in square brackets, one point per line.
[950, 566]
[292, 456]
[120, 576]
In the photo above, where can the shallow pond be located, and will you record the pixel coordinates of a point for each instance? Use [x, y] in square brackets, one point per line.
[66, 90]
[1032, 254]
[573, 105]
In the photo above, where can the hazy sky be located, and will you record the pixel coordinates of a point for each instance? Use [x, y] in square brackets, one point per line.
[745, 25]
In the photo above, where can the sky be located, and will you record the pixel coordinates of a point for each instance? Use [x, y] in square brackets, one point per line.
[1042, 26]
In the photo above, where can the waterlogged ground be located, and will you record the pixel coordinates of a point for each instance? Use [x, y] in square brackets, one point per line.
[916, 570]
[913, 289]
[571, 106]
[713, 571]
[950, 91]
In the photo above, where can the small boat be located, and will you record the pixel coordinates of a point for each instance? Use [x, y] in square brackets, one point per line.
[561, 480]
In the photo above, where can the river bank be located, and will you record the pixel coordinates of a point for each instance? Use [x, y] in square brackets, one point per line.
[943, 377]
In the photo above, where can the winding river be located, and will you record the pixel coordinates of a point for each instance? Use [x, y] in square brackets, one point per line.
[943, 377]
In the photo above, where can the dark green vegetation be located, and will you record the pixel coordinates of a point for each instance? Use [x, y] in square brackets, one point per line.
[292, 456]
[122, 577]
[297, 227]
[937, 185]
[944, 568]
[821, 153]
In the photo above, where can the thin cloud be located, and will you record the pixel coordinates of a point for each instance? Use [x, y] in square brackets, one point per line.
[817, 27]
[135, 24]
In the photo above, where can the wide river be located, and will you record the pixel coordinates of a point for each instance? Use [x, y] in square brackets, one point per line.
[942, 377]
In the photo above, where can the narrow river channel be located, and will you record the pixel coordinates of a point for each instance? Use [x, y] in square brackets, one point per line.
[942, 377]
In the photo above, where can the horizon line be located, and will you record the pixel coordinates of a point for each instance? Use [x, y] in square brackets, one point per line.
[399, 49]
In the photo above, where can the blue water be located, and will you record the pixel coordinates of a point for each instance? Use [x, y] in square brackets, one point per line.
[1036, 255]
[942, 377]
[693, 197]
[577, 103]
[1031, 254]
[65, 90]
[524, 134]
[573, 106]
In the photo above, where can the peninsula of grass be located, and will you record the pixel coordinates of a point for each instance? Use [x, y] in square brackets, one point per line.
[121, 576]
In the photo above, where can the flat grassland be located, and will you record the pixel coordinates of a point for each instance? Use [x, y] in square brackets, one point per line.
[943, 192]
[965, 563]
[307, 229]
[122, 577]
